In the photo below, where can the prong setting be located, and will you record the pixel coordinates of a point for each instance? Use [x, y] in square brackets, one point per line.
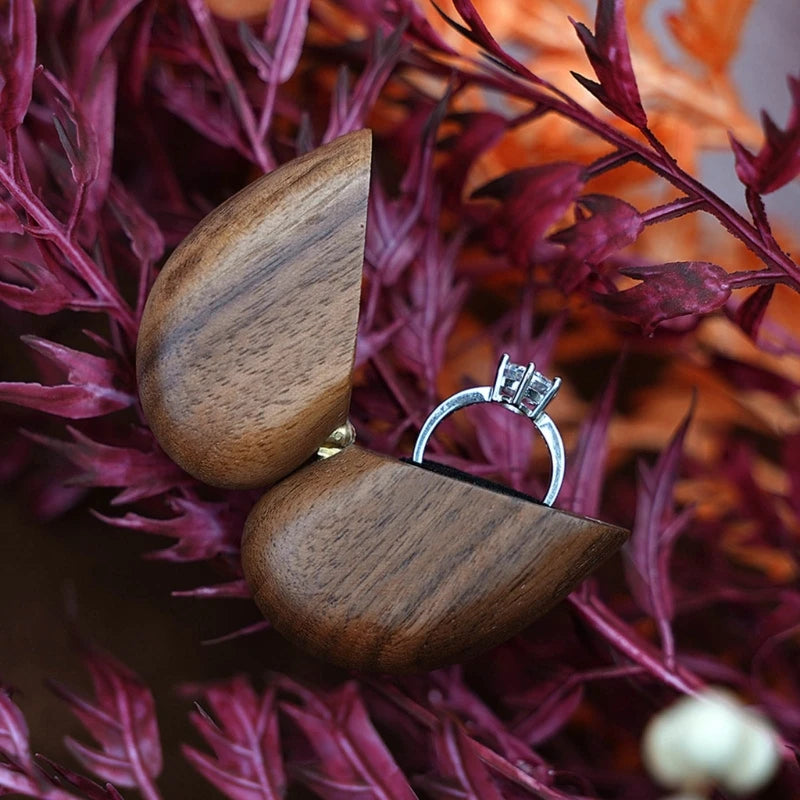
[523, 389]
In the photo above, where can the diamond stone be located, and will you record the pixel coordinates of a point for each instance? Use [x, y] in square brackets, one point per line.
[539, 385]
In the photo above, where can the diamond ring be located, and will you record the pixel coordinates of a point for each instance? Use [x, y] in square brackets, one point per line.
[520, 389]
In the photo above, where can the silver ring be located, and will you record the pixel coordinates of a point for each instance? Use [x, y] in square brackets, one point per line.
[522, 390]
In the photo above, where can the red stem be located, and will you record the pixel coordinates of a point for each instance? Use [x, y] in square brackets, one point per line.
[50, 228]
[627, 642]
[656, 158]
[232, 85]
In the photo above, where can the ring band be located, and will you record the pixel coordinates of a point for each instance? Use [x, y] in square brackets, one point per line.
[522, 390]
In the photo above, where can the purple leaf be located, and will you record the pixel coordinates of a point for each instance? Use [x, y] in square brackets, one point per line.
[533, 200]
[477, 32]
[459, 764]
[234, 589]
[610, 58]
[586, 467]
[655, 530]
[90, 391]
[751, 377]
[459, 699]
[479, 131]
[610, 225]
[203, 529]
[99, 108]
[778, 160]
[147, 241]
[140, 473]
[349, 749]
[96, 36]
[750, 314]
[350, 107]
[121, 720]
[45, 295]
[247, 762]
[553, 707]
[17, 63]
[285, 34]
[668, 291]
[88, 788]
[14, 733]
[79, 143]
[9, 221]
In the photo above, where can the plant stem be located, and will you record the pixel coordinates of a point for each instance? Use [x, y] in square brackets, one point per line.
[627, 642]
[652, 155]
[673, 210]
[50, 228]
[232, 85]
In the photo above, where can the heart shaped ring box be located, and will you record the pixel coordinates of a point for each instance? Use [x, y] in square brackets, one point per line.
[244, 363]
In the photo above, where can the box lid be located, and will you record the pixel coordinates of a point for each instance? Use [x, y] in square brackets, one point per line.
[247, 339]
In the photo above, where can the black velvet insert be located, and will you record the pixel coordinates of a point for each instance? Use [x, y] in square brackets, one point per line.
[459, 475]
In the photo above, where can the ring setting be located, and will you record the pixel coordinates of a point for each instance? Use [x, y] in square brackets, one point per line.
[521, 390]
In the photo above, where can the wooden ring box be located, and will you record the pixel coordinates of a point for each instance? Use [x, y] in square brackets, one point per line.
[244, 364]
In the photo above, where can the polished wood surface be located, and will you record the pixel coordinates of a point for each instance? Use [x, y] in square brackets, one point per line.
[247, 340]
[376, 564]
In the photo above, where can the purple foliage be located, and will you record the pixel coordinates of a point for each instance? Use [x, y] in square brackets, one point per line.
[610, 58]
[121, 720]
[94, 192]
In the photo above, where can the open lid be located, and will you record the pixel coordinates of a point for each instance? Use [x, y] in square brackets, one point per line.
[247, 340]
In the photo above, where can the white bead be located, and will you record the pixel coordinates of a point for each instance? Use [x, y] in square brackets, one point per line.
[710, 740]
[686, 796]
[751, 773]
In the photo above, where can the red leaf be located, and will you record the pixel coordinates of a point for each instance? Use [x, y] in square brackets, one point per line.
[610, 58]
[89, 393]
[247, 762]
[99, 108]
[668, 291]
[459, 764]
[95, 37]
[79, 142]
[88, 789]
[350, 107]
[141, 473]
[479, 131]
[611, 225]
[477, 32]
[778, 160]
[285, 34]
[9, 221]
[203, 529]
[655, 530]
[14, 733]
[147, 241]
[533, 200]
[235, 589]
[352, 756]
[751, 377]
[750, 313]
[17, 64]
[45, 295]
[586, 467]
[552, 711]
[121, 720]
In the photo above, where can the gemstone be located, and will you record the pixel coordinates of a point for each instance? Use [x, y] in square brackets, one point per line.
[539, 385]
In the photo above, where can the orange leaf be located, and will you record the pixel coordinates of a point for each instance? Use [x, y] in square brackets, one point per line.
[709, 30]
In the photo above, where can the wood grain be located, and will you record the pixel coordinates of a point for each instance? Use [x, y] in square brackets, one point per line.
[247, 340]
[376, 564]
